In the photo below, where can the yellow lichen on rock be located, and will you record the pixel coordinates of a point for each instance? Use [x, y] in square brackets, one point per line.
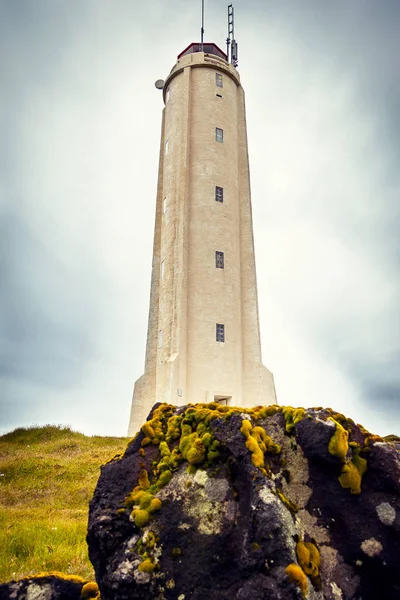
[309, 558]
[58, 574]
[352, 473]
[338, 444]
[296, 575]
[90, 590]
[258, 442]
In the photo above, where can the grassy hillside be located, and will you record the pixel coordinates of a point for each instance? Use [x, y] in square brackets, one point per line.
[47, 477]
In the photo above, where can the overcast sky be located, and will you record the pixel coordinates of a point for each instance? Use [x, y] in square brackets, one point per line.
[80, 129]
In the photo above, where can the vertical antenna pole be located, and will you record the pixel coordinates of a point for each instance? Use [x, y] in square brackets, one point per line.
[228, 39]
[202, 26]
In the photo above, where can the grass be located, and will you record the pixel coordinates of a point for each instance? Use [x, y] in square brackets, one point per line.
[47, 477]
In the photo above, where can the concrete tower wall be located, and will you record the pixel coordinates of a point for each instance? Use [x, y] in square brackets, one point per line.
[189, 295]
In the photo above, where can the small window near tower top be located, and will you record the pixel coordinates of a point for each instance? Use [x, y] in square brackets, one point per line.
[220, 332]
[219, 259]
[218, 80]
[219, 135]
[160, 338]
[166, 147]
[219, 194]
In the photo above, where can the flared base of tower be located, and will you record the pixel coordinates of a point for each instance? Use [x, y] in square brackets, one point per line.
[258, 389]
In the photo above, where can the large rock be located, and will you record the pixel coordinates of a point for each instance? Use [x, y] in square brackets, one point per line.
[212, 503]
[49, 586]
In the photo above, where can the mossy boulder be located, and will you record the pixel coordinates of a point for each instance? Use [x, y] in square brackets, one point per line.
[271, 503]
[50, 586]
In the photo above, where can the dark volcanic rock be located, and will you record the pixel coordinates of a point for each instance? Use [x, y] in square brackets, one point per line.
[44, 588]
[229, 529]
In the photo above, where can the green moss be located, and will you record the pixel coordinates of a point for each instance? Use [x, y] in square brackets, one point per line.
[144, 482]
[196, 453]
[296, 575]
[164, 479]
[212, 455]
[58, 574]
[145, 499]
[140, 517]
[147, 566]
[173, 429]
[266, 411]
[206, 439]
[148, 430]
[338, 444]
[155, 505]
[164, 449]
[292, 417]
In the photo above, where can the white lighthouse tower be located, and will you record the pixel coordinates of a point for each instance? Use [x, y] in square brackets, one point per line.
[203, 340]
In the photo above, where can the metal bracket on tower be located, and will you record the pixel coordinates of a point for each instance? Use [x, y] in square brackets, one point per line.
[231, 44]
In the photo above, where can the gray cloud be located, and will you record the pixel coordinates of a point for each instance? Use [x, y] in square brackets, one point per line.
[46, 319]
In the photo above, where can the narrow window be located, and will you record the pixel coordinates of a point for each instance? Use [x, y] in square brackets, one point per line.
[220, 332]
[164, 206]
[219, 95]
[219, 194]
[160, 338]
[219, 134]
[166, 147]
[162, 268]
[218, 80]
[219, 259]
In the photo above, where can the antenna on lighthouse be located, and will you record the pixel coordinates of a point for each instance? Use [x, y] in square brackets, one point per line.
[231, 43]
[202, 27]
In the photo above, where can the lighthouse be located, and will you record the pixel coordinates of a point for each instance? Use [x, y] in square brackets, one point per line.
[203, 339]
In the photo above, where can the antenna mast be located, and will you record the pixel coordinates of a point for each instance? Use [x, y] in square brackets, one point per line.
[231, 44]
[202, 27]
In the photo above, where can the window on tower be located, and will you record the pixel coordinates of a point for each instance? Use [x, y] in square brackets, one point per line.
[220, 332]
[218, 80]
[219, 134]
[166, 147]
[219, 194]
[219, 259]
